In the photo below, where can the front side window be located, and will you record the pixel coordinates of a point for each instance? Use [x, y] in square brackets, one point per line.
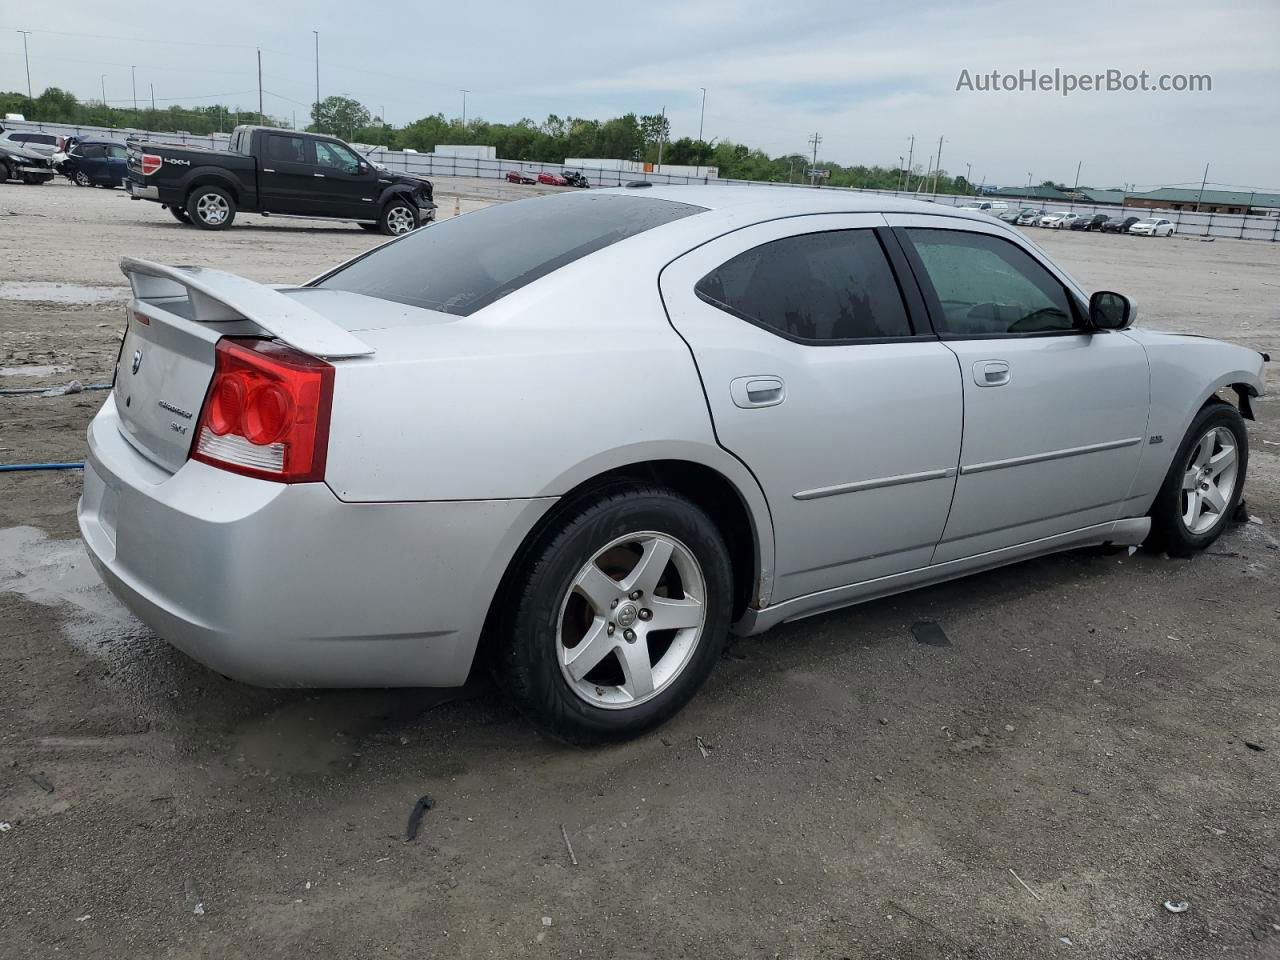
[817, 288]
[465, 263]
[336, 157]
[988, 286]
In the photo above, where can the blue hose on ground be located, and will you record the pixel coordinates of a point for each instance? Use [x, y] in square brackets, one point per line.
[15, 467]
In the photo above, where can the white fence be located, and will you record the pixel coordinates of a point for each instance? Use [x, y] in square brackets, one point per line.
[1232, 225]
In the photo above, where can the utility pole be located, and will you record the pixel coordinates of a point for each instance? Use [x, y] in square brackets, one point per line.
[898, 184]
[316, 118]
[103, 80]
[814, 141]
[938, 168]
[464, 107]
[27, 60]
[910, 157]
[968, 179]
[261, 121]
[133, 72]
[662, 134]
[928, 172]
[1202, 183]
[153, 98]
[1077, 183]
[702, 116]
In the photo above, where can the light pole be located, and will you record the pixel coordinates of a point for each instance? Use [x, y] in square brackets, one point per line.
[702, 115]
[103, 80]
[316, 118]
[968, 176]
[133, 72]
[27, 59]
[464, 105]
[898, 185]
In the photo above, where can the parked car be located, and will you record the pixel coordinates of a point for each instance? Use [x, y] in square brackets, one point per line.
[1087, 222]
[1118, 224]
[1153, 227]
[575, 179]
[515, 176]
[277, 173]
[17, 162]
[281, 498]
[44, 144]
[96, 163]
[986, 206]
[1028, 217]
[1009, 216]
[1053, 219]
[552, 179]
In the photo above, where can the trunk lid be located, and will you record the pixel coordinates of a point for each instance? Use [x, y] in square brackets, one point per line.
[166, 361]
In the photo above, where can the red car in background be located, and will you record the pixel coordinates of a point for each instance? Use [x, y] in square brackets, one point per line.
[515, 176]
[553, 180]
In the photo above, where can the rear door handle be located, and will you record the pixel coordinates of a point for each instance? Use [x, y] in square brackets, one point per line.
[991, 373]
[759, 391]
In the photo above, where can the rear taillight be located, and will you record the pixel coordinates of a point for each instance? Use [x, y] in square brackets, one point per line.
[266, 413]
[151, 163]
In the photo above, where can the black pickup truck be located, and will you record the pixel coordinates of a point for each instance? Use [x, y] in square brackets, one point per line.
[277, 173]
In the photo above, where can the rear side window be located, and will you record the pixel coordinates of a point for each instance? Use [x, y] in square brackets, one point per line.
[465, 263]
[818, 288]
[987, 286]
[286, 149]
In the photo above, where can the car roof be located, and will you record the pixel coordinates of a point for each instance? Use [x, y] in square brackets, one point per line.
[767, 203]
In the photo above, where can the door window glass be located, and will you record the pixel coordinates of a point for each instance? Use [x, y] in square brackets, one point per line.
[818, 288]
[286, 149]
[988, 286]
[336, 157]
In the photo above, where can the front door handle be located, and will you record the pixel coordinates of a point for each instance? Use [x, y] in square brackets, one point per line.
[759, 391]
[991, 373]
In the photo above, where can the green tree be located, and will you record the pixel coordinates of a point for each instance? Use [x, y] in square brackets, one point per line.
[340, 116]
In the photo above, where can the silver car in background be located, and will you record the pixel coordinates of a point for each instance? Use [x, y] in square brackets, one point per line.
[586, 435]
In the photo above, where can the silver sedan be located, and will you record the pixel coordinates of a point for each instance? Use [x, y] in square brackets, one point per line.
[585, 436]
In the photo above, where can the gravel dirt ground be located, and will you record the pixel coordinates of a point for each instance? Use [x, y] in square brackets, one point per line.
[1104, 728]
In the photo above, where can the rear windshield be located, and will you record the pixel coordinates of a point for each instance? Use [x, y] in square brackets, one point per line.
[464, 264]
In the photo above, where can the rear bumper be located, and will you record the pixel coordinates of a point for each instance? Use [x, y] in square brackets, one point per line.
[285, 585]
[139, 192]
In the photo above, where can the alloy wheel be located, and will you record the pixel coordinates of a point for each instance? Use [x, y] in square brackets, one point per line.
[82, 179]
[1209, 480]
[399, 219]
[212, 209]
[631, 620]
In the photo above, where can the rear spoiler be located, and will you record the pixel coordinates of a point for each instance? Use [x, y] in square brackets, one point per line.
[217, 296]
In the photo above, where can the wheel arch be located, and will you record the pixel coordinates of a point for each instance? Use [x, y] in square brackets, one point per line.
[738, 510]
[208, 177]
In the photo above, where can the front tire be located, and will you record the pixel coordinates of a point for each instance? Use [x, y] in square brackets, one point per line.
[398, 218]
[1204, 484]
[211, 208]
[616, 616]
[82, 179]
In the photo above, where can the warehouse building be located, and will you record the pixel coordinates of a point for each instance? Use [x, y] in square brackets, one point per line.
[1208, 201]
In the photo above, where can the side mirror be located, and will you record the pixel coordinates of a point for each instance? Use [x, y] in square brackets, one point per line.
[364, 167]
[1111, 311]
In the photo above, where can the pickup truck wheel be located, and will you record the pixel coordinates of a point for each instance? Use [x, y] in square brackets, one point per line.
[180, 214]
[211, 208]
[398, 217]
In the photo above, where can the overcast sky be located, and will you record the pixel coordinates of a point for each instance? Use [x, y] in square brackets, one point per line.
[866, 77]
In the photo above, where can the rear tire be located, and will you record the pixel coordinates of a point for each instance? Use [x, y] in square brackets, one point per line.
[579, 644]
[1204, 484]
[398, 218]
[82, 179]
[211, 208]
